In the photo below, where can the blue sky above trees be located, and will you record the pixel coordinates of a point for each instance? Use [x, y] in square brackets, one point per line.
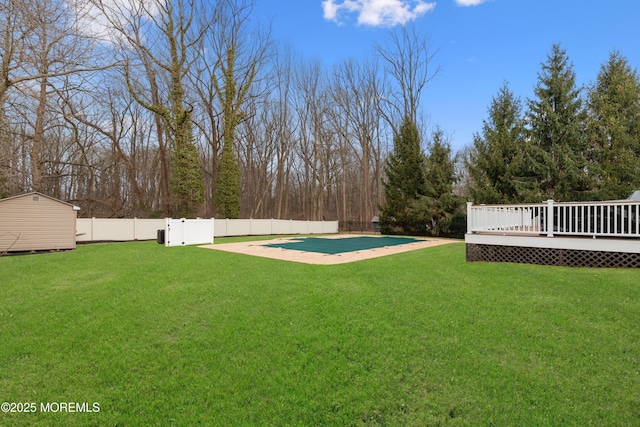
[479, 43]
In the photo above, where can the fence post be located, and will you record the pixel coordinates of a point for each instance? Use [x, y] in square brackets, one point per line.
[549, 221]
[469, 221]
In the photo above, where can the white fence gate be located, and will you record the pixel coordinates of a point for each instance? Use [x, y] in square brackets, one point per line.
[181, 232]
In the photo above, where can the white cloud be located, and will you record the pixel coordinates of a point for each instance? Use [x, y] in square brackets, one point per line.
[99, 22]
[377, 13]
[469, 2]
[330, 10]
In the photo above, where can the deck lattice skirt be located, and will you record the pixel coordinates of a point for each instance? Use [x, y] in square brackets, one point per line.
[547, 256]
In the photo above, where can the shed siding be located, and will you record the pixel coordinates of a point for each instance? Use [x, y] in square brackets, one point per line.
[31, 225]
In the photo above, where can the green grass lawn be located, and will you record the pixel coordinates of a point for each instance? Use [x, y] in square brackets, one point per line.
[186, 336]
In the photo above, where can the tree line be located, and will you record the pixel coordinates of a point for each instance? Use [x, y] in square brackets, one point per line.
[570, 144]
[190, 108]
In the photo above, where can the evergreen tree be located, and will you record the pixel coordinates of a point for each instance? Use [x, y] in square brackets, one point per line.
[436, 208]
[495, 163]
[405, 183]
[556, 132]
[614, 129]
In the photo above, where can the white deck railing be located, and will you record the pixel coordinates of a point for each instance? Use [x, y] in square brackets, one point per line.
[620, 218]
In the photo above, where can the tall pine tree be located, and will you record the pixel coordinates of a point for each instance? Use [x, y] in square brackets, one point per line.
[495, 164]
[437, 207]
[556, 122]
[405, 183]
[614, 129]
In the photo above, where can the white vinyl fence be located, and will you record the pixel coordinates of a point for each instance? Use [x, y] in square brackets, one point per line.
[268, 227]
[117, 229]
[128, 229]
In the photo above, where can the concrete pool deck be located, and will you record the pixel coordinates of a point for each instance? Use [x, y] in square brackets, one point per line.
[260, 248]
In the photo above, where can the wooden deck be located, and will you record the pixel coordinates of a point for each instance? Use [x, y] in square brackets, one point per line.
[599, 234]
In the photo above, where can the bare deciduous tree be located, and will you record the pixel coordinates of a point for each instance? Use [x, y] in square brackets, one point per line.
[239, 59]
[407, 57]
[357, 95]
[163, 38]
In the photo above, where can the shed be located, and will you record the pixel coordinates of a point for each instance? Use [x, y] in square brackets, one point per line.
[36, 222]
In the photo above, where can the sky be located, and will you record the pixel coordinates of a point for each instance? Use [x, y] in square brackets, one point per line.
[479, 44]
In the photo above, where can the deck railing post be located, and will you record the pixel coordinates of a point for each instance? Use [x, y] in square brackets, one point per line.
[469, 219]
[549, 220]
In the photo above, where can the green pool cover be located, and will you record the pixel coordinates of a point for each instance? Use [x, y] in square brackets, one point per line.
[341, 245]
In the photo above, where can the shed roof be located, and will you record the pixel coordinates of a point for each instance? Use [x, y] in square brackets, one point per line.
[35, 193]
